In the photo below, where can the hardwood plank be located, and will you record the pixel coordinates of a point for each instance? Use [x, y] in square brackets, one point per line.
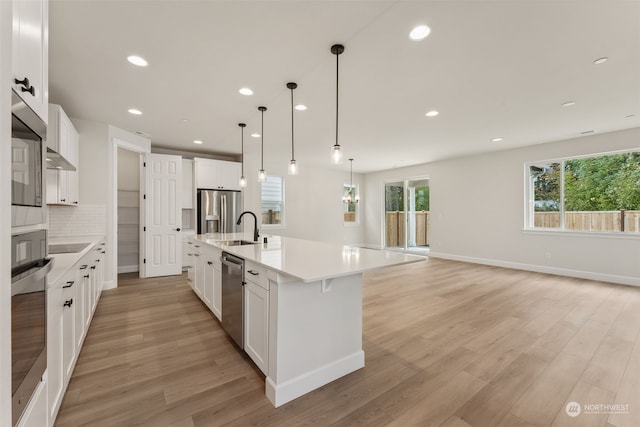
[446, 343]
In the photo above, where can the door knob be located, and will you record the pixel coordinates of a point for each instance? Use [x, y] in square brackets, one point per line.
[178, 229]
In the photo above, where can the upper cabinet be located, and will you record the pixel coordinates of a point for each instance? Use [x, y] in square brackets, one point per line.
[217, 174]
[62, 137]
[30, 54]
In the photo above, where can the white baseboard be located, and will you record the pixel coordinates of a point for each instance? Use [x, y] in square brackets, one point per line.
[108, 285]
[623, 280]
[128, 269]
[279, 394]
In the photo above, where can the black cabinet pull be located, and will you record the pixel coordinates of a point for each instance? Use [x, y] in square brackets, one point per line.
[209, 262]
[97, 260]
[253, 273]
[68, 302]
[26, 86]
[93, 267]
[84, 267]
[63, 200]
[86, 276]
[75, 203]
[69, 284]
[104, 252]
[178, 229]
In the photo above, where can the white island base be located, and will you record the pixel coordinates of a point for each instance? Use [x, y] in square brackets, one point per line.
[315, 334]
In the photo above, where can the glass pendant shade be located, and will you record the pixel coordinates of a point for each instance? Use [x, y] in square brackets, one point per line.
[293, 168]
[243, 182]
[262, 175]
[336, 155]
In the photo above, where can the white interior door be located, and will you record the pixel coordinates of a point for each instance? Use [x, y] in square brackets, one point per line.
[163, 242]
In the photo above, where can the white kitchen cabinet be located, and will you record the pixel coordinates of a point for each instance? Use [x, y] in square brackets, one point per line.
[62, 137]
[69, 305]
[87, 284]
[199, 262]
[55, 357]
[256, 316]
[207, 282]
[30, 54]
[79, 303]
[217, 174]
[187, 184]
[217, 287]
[35, 414]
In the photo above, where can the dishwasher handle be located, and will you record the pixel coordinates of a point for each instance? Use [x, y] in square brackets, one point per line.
[231, 263]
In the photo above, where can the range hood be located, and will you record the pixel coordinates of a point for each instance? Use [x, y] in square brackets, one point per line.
[56, 161]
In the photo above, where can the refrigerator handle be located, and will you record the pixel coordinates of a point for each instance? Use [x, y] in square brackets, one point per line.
[223, 213]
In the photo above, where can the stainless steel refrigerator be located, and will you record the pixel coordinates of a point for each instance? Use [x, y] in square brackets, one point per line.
[218, 211]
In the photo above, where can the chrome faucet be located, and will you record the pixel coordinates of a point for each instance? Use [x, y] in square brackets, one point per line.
[255, 224]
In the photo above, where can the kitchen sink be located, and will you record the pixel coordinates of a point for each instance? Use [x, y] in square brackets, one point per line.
[67, 248]
[238, 242]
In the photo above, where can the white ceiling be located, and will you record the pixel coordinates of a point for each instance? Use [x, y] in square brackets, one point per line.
[491, 68]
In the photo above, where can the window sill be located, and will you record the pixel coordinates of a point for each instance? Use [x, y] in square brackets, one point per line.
[272, 225]
[351, 224]
[588, 234]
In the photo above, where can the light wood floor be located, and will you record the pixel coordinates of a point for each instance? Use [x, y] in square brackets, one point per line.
[446, 343]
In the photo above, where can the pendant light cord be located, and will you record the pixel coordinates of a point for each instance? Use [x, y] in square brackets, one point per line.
[293, 157]
[262, 140]
[337, 82]
[242, 150]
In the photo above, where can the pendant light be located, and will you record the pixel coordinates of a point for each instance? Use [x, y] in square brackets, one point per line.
[336, 153]
[293, 167]
[350, 197]
[262, 175]
[243, 180]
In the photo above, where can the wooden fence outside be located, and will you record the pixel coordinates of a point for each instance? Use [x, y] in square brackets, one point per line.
[271, 217]
[611, 221]
[394, 228]
[349, 217]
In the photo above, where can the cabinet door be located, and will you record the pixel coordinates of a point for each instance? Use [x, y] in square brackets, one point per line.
[86, 281]
[187, 184]
[35, 414]
[256, 325]
[206, 173]
[30, 53]
[72, 177]
[68, 327]
[55, 368]
[207, 292]
[199, 279]
[217, 288]
[79, 303]
[229, 175]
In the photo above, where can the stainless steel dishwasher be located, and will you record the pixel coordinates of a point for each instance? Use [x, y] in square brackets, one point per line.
[233, 297]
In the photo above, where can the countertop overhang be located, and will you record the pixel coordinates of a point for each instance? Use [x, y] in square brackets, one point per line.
[308, 260]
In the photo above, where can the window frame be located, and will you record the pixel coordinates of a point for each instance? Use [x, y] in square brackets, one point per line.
[282, 204]
[529, 212]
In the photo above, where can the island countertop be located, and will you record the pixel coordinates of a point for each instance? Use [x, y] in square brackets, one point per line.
[306, 259]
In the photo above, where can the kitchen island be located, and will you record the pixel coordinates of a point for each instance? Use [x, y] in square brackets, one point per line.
[303, 307]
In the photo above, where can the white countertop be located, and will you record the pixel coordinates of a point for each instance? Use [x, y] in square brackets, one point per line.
[62, 263]
[306, 259]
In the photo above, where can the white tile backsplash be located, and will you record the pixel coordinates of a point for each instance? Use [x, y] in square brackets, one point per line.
[82, 220]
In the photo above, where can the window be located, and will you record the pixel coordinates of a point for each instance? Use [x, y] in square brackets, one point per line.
[272, 204]
[350, 208]
[598, 193]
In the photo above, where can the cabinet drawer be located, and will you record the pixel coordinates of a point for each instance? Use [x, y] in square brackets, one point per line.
[256, 274]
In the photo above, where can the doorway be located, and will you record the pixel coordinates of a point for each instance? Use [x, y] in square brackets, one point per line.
[406, 216]
[128, 223]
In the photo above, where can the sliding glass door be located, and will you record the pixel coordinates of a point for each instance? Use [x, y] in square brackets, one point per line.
[406, 216]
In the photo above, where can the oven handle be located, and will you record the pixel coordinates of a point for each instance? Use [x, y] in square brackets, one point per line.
[23, 284]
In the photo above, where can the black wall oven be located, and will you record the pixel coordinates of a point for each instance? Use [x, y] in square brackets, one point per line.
[29, 268]
[28, 134]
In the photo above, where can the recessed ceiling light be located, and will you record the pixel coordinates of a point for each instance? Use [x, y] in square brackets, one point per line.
[601, 60]
[197, 141]
[432, 113]
[135, 111]
[255, 135]
[185, 120]
[300, 107]
[586, 132]
[245, 91]
[137, 60]
[569, 104]
[419, 32]
[496, 139]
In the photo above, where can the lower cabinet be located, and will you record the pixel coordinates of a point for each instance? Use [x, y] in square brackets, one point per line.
[256, 316]
[71, 302]
[206, 257]
[198, 261]
[217, 287]
[35, 414]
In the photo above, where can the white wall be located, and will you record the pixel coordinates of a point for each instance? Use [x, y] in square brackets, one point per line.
[313, 205]
[5, 212]
[477, 213]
